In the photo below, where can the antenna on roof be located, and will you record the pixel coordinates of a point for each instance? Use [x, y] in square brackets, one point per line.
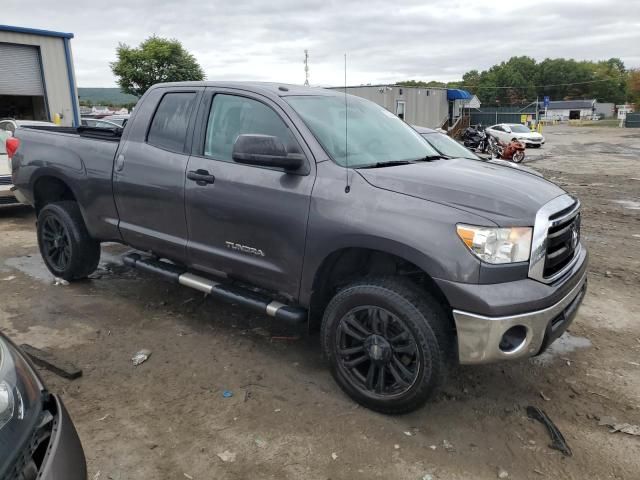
[306, 68]
[347, 188]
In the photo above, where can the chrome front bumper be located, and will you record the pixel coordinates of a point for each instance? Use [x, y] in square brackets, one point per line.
[479, 337]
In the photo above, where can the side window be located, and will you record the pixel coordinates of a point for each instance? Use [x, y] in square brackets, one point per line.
[169, 125]
[498, 128]
[231, 116]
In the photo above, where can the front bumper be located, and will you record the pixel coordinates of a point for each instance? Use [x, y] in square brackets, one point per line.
[65, 457]
[54, 451]
[480, 338]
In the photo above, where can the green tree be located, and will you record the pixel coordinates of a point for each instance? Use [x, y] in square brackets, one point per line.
[420, 83]
[156, 60]
[633, 87]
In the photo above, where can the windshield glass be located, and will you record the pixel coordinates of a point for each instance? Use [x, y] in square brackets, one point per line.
[448, 146]
[519, 129]
[374, 134]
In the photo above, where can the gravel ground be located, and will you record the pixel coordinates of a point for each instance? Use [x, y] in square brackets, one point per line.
[168, 419]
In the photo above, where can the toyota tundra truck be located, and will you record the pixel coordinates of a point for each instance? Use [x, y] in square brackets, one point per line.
[322, 210]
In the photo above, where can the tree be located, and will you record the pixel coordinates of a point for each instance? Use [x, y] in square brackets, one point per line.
[633, 87]
[520, 80]
[420, 83]
[155, 60]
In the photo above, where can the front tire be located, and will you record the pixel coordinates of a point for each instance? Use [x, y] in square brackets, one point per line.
[66, 247]
[387, 343]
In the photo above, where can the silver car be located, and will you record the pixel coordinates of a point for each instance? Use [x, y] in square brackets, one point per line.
[7, 129]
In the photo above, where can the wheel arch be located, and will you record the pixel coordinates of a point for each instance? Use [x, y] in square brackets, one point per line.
[347, 263]
[48, 188]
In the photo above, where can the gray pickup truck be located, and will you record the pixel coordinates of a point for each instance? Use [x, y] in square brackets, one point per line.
[323, 210]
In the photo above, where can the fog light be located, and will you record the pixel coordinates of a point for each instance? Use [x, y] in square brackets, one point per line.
[513, 339]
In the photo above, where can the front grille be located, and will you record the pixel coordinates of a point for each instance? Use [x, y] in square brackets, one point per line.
[563, 239]
[29, 461]
[5, 180]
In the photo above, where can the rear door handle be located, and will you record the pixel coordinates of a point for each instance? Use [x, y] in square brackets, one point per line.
[201, 177]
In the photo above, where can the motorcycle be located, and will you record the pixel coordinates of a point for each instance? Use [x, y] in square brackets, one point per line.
[475, 138]
[514, 150]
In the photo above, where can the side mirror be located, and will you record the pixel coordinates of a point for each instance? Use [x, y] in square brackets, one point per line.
[507, 129]
[265, 151]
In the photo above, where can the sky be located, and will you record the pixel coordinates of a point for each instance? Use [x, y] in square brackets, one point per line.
[385, 41]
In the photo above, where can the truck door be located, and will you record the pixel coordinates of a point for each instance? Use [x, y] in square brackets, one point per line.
[149, 173]
[246, 221]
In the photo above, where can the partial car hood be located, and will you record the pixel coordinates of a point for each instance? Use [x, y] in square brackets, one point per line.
[527, 135]
[501, 194]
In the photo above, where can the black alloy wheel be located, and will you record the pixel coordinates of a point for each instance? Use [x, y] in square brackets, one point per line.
[377, 351]
[388, 343]
[56, 243]
[67, 248]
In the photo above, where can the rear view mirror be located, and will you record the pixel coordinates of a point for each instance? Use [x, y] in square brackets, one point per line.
[265, 151]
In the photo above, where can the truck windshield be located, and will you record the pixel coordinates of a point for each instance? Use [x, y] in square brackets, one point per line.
[375, 136]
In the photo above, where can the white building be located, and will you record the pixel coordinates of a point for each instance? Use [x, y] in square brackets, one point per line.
[623, 110]
[569, 109]
[37, 79]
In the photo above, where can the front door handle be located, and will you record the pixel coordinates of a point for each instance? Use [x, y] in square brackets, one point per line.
[201, 177]
[120, 163]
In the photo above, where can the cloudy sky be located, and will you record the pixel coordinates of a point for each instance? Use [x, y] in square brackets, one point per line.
[385, 41]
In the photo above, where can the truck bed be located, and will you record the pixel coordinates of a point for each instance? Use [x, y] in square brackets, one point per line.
[81, 158]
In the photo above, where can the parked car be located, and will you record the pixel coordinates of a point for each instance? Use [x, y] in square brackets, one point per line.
[7, 128]
[98, 123]
[119, 119]
[37, 438]
[447, 146]
[257, 194]
[505, 132]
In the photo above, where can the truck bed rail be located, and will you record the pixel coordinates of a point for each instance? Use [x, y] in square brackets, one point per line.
[100, 133]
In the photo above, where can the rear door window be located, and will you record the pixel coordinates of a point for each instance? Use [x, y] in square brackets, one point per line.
[168, 128]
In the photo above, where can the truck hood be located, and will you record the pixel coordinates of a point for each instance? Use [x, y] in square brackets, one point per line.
[503, 195]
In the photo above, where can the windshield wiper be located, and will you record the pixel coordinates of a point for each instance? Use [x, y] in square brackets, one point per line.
[428, 158]
[390, 163]
[393, 163]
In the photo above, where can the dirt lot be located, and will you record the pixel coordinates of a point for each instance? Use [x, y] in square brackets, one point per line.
[168, 419]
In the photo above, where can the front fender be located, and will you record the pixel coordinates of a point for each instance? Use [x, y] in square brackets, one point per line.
[418, 231]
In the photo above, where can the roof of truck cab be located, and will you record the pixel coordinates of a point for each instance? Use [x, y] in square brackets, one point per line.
[265, 88]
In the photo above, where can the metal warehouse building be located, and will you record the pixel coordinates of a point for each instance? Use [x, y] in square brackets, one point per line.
[426, 107]
[37, 79]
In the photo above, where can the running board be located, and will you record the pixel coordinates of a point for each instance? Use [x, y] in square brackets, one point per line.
[228, 293]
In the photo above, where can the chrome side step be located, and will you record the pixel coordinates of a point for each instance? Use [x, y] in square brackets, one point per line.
[229, 293]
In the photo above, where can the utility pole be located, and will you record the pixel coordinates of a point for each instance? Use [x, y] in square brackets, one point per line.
[306, 68]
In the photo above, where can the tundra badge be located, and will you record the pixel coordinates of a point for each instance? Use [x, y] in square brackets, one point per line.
[244, 248]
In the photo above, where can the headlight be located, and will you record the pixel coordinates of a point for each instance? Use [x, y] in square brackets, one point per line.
[20, 394]
[497, 245]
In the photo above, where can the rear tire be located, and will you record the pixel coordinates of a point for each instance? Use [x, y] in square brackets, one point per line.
[388, 343]
[68, 251]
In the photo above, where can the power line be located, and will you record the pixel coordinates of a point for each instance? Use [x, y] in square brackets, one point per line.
[544, 86]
